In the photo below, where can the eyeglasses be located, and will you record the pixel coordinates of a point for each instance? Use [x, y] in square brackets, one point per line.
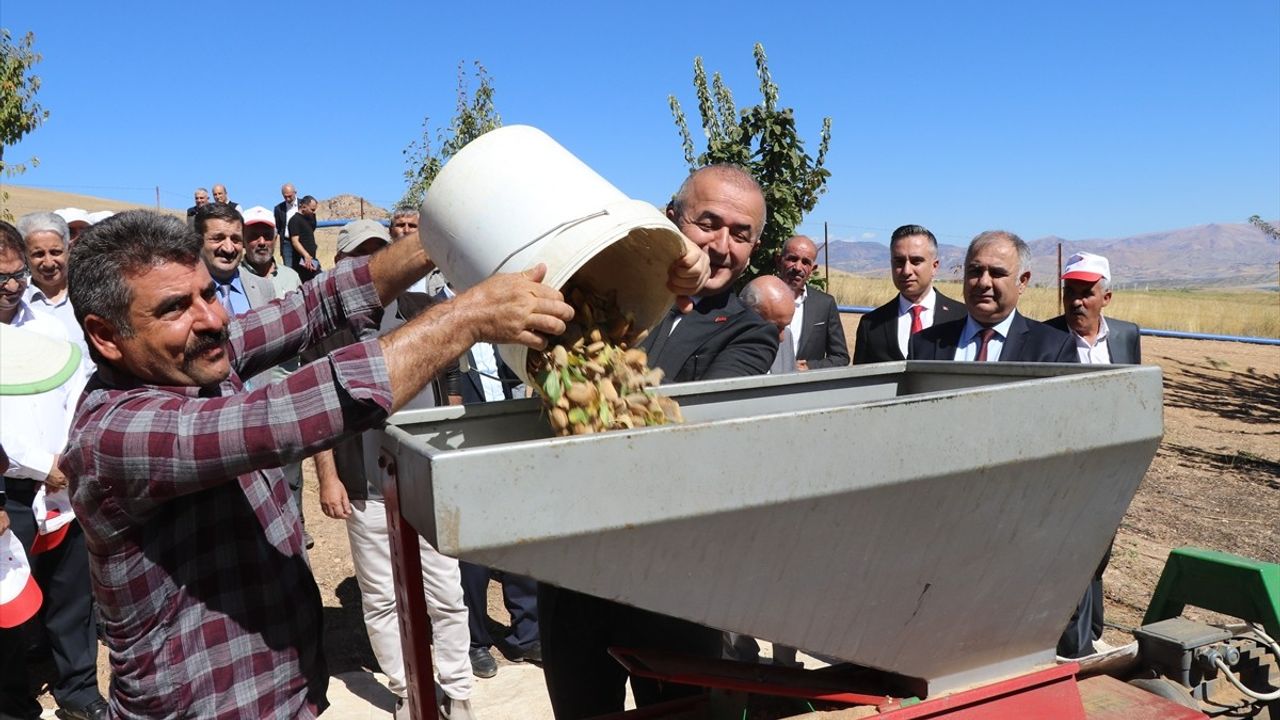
[20, 276]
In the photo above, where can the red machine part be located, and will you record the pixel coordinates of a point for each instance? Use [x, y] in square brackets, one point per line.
[406, 565]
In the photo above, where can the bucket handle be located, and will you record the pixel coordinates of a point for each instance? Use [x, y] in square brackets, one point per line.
[558, 228]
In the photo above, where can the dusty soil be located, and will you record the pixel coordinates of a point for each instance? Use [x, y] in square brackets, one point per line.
[1215, 483]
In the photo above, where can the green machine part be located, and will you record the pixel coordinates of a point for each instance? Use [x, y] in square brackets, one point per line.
[1221, 582]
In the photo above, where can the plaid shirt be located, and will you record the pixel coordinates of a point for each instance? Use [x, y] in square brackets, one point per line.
[207, 602]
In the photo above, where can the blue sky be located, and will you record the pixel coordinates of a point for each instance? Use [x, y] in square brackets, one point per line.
[1080, 119]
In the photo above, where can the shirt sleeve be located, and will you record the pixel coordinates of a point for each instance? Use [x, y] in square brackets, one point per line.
[149, 445]
[341, 298]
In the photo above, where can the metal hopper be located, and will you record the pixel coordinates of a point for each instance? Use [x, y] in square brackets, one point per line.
[937, 520]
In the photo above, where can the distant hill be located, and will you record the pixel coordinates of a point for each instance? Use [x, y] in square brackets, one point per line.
[1226, 255]
[23, 200]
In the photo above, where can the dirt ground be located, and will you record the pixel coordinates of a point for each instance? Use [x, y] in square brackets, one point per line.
[1215, 483]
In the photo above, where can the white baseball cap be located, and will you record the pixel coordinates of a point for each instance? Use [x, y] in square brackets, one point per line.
[74, 215]
[20, 596]
[97, 217]
[258, 215]
[1088, 267]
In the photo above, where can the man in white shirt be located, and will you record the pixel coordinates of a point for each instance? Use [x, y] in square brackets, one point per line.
[997, 270]
[817, 337]
[1086, 290]
[883, 333]
[33, 431]
[282, 214]
[48, 245]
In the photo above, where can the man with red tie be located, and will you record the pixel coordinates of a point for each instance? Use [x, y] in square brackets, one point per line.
[884, 332]
[997, 268]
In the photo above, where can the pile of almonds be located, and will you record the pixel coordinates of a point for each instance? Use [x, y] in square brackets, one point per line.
[592, 378]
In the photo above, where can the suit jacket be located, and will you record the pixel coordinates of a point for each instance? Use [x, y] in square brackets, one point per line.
[259, 290]
[877, 336]
[470, 386]
[1123, 341]
[719, 338]
[822, 341]
[281, 212]
[1028, 341]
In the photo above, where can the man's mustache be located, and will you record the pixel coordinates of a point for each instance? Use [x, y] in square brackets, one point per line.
[205, 342]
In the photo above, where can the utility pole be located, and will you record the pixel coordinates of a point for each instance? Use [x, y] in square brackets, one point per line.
[157, 197]
[1059, 273]
[826, 254]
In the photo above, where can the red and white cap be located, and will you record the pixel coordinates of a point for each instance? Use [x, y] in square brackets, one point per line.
[1088, 267]
[258, 215]
[20, 596]
[53, 515]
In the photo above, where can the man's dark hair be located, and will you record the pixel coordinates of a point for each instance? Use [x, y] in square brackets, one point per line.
[216, 211]
[910, 230]
[11, 240]
[121, 246]
[306, 200]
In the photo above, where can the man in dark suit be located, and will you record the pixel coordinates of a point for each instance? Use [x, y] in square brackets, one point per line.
[996, 272]
[1086, 290]
[883, 333]
[283, 213]
[201, 197]
[817, 337]
[722, 210]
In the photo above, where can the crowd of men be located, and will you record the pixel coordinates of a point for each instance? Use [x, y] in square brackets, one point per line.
[213, 367]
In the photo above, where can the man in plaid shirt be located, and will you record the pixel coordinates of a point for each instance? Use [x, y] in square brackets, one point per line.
[208, 606]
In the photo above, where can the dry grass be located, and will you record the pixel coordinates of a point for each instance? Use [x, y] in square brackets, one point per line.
[1254, 313]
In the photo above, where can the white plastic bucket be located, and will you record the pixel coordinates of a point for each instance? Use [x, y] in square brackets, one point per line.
[514, 197]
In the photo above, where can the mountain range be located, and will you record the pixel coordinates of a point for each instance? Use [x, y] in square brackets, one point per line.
[1214, 255]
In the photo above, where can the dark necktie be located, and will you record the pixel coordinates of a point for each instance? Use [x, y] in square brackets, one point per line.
[986, 335]
[916, 324]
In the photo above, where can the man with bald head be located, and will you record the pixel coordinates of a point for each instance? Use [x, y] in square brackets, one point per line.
[817, 338]
[883, 333]
[997, 269]
[284, 212]
[772, 299]
[220, 196]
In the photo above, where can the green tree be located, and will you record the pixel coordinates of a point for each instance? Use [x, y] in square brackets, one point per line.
[19, 111]
[1265, 226]
[475, 116]
[763, 139]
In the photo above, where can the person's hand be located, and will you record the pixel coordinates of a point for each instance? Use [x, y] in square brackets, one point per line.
[802, 365]
[688, 274]
[4, 521]
[311, 264]
[334, 502]
[516, 308]
[55, 480]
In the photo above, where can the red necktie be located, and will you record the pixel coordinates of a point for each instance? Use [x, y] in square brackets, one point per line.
[986, 334]
[916, 312]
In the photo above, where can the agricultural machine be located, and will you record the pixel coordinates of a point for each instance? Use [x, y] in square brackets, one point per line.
[926, 527]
